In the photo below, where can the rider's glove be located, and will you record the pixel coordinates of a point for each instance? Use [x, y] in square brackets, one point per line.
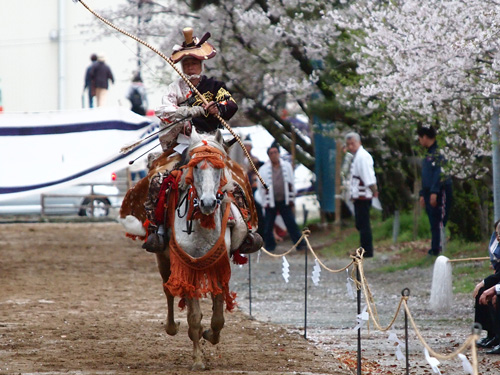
[183, 112]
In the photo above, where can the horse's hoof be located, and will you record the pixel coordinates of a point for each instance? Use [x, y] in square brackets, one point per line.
[210, 337]
[172, 329]
[198, 366]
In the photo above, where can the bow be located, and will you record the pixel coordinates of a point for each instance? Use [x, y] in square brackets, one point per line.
[188, 82]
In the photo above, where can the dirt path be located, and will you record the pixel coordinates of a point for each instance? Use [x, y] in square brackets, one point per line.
[83, 299]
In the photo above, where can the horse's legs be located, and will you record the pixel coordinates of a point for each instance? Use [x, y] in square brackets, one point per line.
[217, 323]
[163, 261]
[195, 329]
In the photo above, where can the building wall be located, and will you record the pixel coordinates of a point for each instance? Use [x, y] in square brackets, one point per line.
[29, 64]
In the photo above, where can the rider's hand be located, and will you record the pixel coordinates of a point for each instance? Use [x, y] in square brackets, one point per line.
[211, 108]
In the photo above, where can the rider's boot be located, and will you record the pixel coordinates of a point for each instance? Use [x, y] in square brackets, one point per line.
[156, 239]
[252, 243]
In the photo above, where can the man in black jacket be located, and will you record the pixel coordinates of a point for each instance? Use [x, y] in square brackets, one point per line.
[436, 193]
[101, 75]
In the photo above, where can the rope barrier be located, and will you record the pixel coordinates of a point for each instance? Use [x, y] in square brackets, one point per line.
[321, 263]
[289, 250]
[357, 260]
[471, 340]
[305, 236]
[468, 259]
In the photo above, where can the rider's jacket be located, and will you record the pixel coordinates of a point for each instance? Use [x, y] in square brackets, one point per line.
[180, 94]
[432, 179]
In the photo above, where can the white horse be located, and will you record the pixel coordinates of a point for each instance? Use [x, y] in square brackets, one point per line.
[199, 226]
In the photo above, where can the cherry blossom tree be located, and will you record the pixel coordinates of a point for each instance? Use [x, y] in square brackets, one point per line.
[269, 52]
[437, 59]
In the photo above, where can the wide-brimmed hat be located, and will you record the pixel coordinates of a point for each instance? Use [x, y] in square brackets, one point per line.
[193, 47]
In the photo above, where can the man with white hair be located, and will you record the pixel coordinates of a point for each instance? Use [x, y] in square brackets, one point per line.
[363, 185]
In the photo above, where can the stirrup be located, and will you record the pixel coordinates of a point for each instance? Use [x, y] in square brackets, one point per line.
[155, 243]
[252, 243]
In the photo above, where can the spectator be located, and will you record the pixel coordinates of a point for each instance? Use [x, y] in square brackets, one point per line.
[482, 311]
[436, 193]
[89, 83]
[137, 95]
[490, 299]
[363, 187]
[278, 176]
[101, 74]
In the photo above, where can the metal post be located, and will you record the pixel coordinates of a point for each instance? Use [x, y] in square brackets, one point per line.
[139, 6]
[92, 200]
[395, 227]
[305, 294]
[476, 330]
[250, 284]
[358, 293]
[495, 137]
[406, 293]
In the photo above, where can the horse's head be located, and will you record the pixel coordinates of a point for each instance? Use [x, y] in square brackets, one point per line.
[206, 163]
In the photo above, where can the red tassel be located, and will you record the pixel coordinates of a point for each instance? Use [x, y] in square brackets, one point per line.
[238, 258]
[182, 304]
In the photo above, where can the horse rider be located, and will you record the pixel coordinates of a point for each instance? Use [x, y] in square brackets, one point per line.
[179, 112]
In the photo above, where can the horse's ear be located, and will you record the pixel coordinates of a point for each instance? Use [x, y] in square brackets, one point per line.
[195, 137]
[218, 136]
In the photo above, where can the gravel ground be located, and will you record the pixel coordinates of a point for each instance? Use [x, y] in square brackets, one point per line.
[331, 312]
[82, 299]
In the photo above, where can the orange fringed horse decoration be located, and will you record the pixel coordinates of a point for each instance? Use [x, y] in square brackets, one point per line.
[196, 262]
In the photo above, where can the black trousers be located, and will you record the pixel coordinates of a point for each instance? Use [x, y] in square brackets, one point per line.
[286, 213]
[438, 216]
[482, 315]
[362, 216]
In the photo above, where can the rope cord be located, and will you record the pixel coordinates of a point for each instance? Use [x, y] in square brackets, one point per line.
[191, 86]
[288, 251]
[305, 236]
[468, 259]
[370, 303]
[321, 263]
[471, 340]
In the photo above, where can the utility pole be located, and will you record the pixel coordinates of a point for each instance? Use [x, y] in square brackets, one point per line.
[495, 135]
[139, 6]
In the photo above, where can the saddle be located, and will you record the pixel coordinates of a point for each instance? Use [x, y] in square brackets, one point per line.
[134, 201]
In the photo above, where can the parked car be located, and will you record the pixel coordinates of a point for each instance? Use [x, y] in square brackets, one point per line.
[84, 200]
